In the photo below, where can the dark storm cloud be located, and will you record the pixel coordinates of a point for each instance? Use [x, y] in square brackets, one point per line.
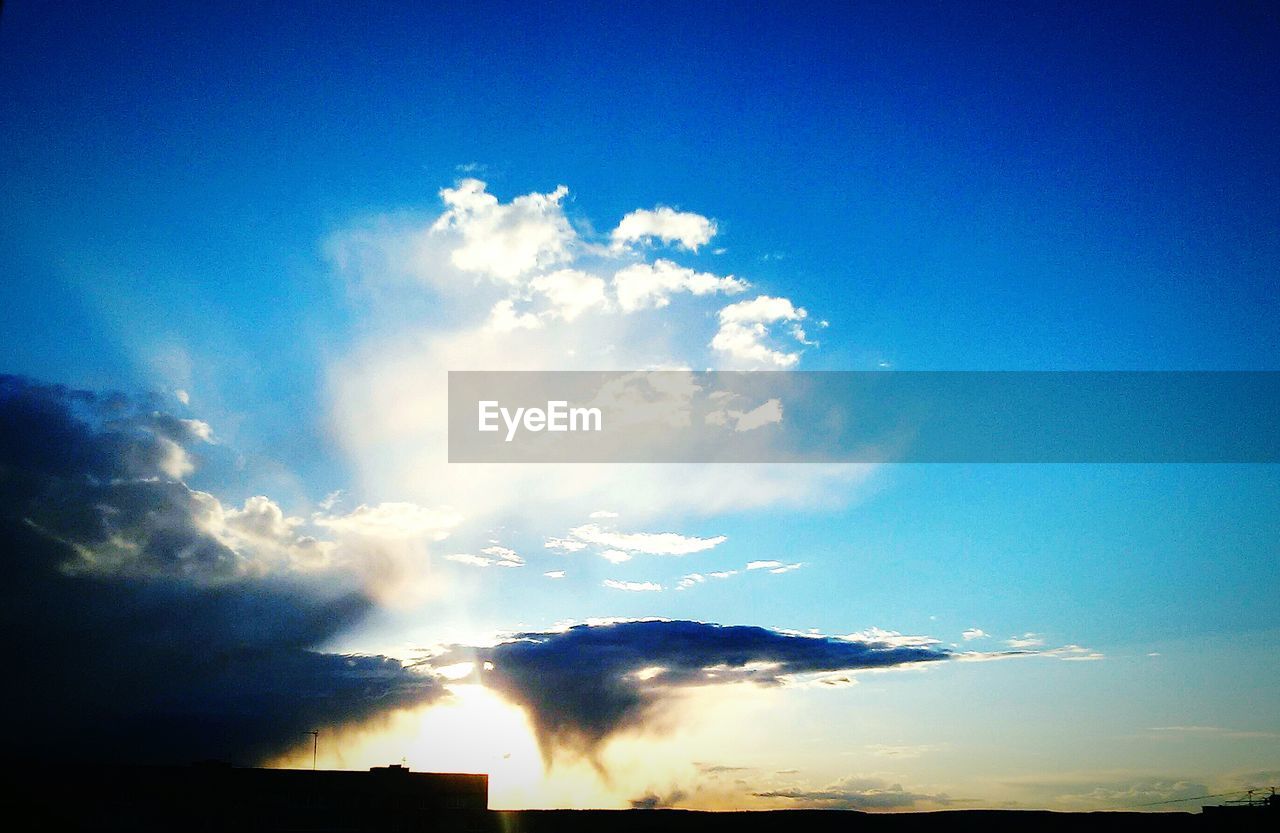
[135, 632]
[585, 683]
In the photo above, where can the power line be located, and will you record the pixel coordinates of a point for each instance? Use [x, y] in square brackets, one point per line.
[1192, 798]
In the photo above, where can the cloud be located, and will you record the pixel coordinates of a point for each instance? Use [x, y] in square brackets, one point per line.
[1027, 640]
[653, 801]
[767, 413]
[632, 586]
[745, 330]
[394, 521]
[602, 513]
[565, 544]
[763, 565]
[651, 543]
[493, 556]
[153, 624]
[1130, 795]
[583, 684]
[892, 751]
[505, 241]
[858, 794]
[423, 315]
[570, 292]
[684, 228]
[690, 580]
[650, 285]
[974, 633]
[615, 556]
[554, 574]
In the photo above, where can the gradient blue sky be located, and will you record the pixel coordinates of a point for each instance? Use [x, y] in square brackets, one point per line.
[976, 186]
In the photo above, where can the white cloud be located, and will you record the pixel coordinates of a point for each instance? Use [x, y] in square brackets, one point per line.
[503, 318]
[393, 520]
[722, 574]
[652, 543]
[570, 292]
[893, 639]
[745, 330]
[505, 241]
[470, 560]
[633, 586]
[974, 633]
[1073, 653]
[767, 413]
[763, 565]
[554, 574]
[690, 580]
[1027, 640]
[645, 285]
[565, 544]
[602, 513]
[786, 568]
[685, 228]
[615, 556]
[504, 557]
[494, 556]
[388, 405]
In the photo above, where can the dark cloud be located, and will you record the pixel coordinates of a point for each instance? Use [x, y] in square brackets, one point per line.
[139, 633]
[653, 801]
[858, 794]
[585, 683]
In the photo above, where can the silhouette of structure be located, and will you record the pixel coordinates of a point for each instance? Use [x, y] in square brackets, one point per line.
[220, 797]
[216, 796]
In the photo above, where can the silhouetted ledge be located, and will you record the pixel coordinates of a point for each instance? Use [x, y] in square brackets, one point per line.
[218, 797]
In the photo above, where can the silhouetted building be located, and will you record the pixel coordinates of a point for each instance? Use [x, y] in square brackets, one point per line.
[216, 796]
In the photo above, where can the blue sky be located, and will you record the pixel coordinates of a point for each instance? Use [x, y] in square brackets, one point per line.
[986, 187]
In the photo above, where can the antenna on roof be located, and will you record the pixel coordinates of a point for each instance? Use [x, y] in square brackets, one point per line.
[315, 746]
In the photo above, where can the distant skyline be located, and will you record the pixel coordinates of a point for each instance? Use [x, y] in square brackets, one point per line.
[241, 248]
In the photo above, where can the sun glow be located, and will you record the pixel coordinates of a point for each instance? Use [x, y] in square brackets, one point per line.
[474, 730]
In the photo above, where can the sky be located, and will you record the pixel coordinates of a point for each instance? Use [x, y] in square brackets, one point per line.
[240, 248]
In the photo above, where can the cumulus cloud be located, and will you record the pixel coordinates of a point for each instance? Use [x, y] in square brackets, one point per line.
[974, 633]
[684, 228]
[505, 240]
[570, 292]
[745, 330]
[651, 285]
[587, 682]
[154, 625]
[432, 305]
